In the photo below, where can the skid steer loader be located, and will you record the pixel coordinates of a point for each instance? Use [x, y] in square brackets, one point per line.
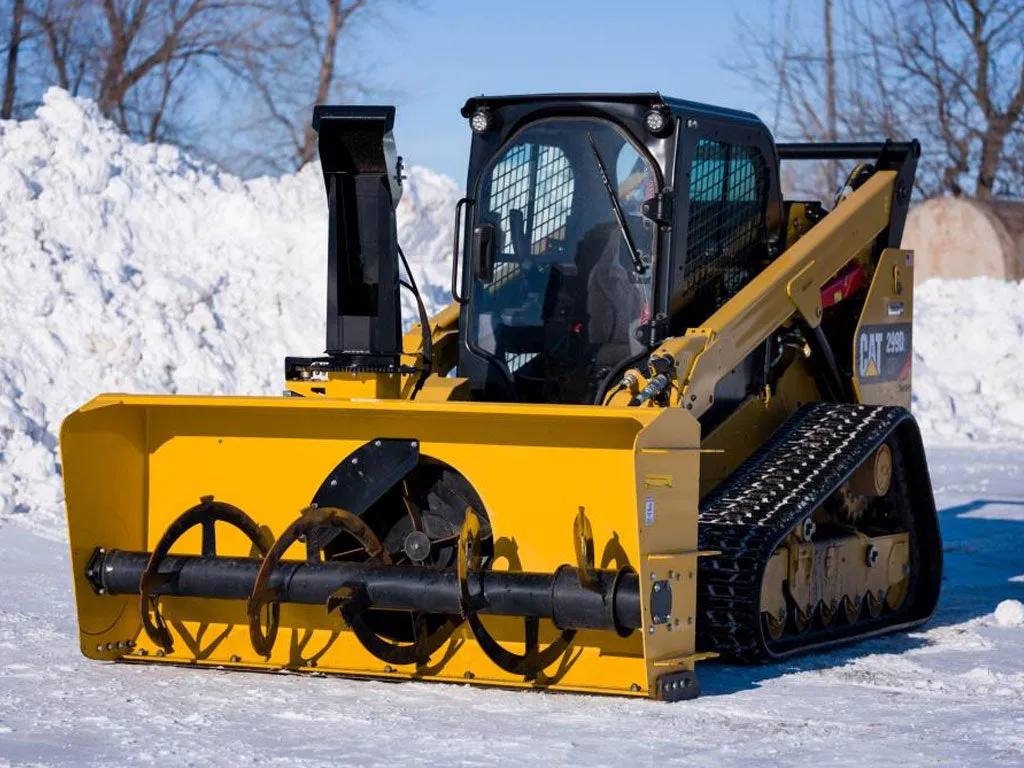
[664, 418]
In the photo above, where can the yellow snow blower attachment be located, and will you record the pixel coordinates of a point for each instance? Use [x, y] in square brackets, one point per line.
[664, 419]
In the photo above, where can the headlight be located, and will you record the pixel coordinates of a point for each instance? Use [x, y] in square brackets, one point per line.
[480, 121]
[657, 122]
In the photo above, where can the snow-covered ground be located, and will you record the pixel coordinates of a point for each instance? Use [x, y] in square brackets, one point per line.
[134, 268]
[951, 694]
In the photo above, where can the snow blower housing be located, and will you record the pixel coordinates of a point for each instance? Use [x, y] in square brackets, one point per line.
[664, 418]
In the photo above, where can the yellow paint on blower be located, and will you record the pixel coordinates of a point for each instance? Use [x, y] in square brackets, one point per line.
[132, 464]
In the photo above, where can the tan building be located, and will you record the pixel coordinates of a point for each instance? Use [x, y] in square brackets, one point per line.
[955, 237]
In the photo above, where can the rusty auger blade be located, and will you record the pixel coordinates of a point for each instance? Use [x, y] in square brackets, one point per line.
[205, 514]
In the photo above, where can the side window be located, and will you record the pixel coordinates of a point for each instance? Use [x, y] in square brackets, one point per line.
[745, 176]
[726, 233]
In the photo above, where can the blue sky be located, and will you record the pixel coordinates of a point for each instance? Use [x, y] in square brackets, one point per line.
[433, 59]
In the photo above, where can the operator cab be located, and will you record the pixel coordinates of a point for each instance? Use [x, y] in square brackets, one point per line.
[566, 291]
[571, 272]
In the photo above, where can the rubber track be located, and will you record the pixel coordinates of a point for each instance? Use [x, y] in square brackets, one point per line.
[751, 512]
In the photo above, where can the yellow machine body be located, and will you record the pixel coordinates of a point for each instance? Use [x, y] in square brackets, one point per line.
[133, 464]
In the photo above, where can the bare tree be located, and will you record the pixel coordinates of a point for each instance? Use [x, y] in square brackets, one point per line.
[950, 72]
[71, 42]
[961, 63]
[338, 14]
[1014, 171]
[149, 45]
[131, 56]
[13, 45]
[141, 39]
[279, 135]
[813, 62]
[155, 66]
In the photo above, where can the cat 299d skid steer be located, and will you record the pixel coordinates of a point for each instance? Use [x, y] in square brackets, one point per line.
[664, 418]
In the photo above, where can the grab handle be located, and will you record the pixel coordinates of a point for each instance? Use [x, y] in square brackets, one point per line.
[465, 202]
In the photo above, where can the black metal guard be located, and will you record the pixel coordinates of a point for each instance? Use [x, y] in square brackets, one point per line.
[841, 150]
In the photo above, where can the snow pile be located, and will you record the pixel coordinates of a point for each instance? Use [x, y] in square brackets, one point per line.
[1010, 613]
[969, 360]
[127, 267]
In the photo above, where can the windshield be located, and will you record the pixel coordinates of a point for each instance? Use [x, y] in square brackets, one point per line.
[572, 274]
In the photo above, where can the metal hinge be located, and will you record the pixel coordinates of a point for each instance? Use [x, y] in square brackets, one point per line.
[658, 208]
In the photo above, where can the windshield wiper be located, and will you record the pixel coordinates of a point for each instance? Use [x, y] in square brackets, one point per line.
[620, 218]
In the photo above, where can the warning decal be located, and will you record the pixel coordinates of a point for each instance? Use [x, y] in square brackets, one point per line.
[883, 352]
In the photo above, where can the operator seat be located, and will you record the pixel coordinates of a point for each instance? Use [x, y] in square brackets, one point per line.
[613, 302]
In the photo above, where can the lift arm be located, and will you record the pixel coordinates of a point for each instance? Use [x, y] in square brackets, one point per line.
[790, 285]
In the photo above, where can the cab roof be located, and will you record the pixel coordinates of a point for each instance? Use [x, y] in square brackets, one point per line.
[678, 107]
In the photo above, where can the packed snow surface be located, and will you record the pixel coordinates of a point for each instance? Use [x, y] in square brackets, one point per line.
[949, 694]
[126, 267]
